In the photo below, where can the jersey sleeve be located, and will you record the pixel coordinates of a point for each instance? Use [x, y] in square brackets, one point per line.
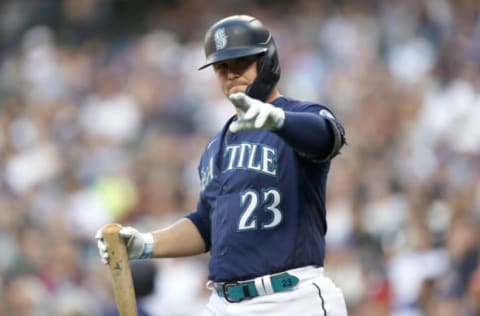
[201, 219]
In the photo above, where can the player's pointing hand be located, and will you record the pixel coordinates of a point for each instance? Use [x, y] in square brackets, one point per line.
[255, 114]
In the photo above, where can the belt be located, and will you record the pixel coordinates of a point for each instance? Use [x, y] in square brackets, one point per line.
[238, 291]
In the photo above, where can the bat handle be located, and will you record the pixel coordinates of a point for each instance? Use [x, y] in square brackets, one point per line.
[118, 263]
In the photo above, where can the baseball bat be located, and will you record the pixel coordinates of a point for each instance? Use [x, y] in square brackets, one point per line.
[122, 281]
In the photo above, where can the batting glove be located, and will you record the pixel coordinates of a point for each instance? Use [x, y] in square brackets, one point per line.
[139, 245]
[255, 114]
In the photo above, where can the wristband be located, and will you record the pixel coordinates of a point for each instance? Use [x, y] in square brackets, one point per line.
[147, 246]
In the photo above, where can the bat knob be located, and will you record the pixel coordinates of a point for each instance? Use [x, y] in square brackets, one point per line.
[111, 229]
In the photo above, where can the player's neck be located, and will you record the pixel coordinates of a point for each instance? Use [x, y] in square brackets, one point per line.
[274, 94]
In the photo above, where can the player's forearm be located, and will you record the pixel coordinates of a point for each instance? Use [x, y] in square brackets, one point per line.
[178, 240]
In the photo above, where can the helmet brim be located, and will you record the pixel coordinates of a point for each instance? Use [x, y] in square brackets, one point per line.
[232, 53]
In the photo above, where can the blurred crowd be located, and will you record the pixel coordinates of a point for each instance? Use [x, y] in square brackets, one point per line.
[103, 116]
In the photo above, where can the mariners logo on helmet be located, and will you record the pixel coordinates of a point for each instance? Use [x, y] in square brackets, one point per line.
[220, 39]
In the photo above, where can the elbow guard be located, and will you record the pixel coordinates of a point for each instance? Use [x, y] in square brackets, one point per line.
[338, 134]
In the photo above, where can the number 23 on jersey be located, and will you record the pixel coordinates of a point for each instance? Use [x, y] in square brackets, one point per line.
[250, 200]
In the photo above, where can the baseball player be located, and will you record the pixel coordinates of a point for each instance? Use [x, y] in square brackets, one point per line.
[261, 209]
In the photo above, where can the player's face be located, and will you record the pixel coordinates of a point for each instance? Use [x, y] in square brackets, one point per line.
[236, 74]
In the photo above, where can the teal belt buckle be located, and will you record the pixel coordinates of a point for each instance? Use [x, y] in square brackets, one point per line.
[236, 292]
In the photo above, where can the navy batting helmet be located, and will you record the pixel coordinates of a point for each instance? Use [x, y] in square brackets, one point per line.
[240, 36]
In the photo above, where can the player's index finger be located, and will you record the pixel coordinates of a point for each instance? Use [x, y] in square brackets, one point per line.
[239, 101]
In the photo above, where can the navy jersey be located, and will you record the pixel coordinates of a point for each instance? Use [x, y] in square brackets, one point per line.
[262, 204]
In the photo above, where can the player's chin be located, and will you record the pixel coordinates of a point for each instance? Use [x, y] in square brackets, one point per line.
[236, 89]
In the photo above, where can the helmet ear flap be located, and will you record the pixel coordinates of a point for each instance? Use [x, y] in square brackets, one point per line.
[268, 74]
